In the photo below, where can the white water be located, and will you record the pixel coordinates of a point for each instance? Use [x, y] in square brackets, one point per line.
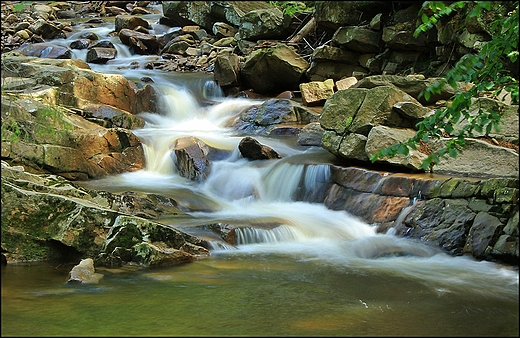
[242, 192]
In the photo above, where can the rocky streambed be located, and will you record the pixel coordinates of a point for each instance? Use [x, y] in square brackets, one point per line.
[66, 122]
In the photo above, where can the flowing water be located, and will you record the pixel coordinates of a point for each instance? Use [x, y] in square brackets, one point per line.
[319, 273]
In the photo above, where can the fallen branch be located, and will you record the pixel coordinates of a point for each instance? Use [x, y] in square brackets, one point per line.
[306, 30]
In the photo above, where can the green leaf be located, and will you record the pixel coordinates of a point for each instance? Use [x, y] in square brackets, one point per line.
[485, 4]
[427, 95]
[403, 149]
[426, 163]
[448, 128]
[452, 152]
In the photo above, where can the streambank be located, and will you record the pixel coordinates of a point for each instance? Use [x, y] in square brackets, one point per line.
[108, 112]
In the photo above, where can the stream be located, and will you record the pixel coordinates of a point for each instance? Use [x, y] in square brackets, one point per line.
[320, 273]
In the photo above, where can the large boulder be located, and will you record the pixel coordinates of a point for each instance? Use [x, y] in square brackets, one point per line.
[413, 85]
[227, 70]
[478, 158]
[47, 217]
[207, 13]
[272, 70]
[331, 15]
[262, 24]
[72, 83]
[263, 119]
[69, 146]
[350, 116]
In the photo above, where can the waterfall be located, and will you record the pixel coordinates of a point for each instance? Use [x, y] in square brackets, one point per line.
[284, 193]
[281, 233]
[280, 181]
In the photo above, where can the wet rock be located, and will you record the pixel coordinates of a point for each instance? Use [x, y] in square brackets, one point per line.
[101, 55]
[227, 70]
[140, 43]
[254, 150]
[129, 22]
[191, 158]
[45, 50]
[263, 118]
[311, 135]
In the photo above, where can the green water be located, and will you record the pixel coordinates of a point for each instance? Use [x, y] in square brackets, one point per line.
[248, 294]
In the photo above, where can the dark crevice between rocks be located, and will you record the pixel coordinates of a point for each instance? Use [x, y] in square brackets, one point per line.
[61, 253]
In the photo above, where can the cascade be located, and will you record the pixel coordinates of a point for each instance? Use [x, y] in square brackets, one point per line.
[295, 267]
[244, 193]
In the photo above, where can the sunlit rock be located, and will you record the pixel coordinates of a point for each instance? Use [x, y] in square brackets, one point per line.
[84, 272]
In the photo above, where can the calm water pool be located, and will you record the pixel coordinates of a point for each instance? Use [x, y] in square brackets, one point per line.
[247, 294]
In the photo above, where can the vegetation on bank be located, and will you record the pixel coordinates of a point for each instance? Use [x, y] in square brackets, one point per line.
[493, 71]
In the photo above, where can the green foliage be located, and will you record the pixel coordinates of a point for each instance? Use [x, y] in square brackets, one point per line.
[486, 72]
[292, 7]
[19, 7]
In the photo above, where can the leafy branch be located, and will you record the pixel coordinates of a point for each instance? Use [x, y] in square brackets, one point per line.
[485, 71]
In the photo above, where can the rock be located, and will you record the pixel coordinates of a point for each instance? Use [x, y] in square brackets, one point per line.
[101, 55]
[403, 40]
[483, 233]
[357, 39]
[323, 70]
[140, 43]
[263, 63]
[84, 272]
[82, 222]
[412, 85]
[330, 53]
[129, 22]
[263, 118]
[316, 93]
[227, 70]
[222, 29]
[262, 24]
[47, 30]
[346, 83]
[478, 158]
[191, 158]
[412, 111]
[74, 148]
[311, 135]
[381, 137]
[334, 14]
[254, 150]
[46, 50]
